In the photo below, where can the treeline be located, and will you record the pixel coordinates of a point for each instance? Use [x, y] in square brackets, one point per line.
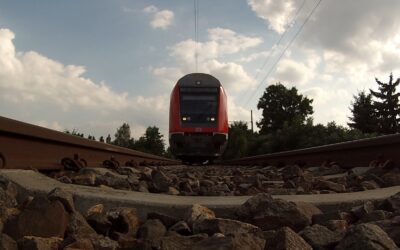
[287, 121]
[150, 142]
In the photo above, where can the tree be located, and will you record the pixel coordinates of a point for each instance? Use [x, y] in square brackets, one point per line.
[363, 114]
[387, 105]
[151, 141]
[74, 132]
[239, 137]
[281, 105]
[123, 136]
[108, 139]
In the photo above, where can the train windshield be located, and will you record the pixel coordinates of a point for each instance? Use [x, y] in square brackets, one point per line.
[199, 107]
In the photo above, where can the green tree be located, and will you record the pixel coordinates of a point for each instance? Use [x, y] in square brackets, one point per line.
[151, 142]
[239, 137]
[74, 132]
[363, 114]
[387, 105]
[123, 136]
[280, 106]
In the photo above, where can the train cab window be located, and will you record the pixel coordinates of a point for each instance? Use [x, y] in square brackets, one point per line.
[199, 108]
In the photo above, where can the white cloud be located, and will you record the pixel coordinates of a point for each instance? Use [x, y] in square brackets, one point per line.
[221, 42]
[161, 19]
[37, 89]
[277, 14]
[340, 50]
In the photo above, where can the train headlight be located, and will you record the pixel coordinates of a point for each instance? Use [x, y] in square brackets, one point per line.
[183, 118]
[212, 119]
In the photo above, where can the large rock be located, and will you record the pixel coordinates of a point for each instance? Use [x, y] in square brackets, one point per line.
[161, 182]
[181, 227]
[38, 243]
[124, 221]
[392, 178]
[362, 210]
[376, 215]
[167, 220]
[87, 179]
[320, 237]
[152, 229]
[78, 226]
[286, 239]
[178, 242]
[100, 223]
[292, 171]
[42, 218]
[8, 195]
[64, 197]
[7, 243]
[330, 185]
[235, 242]
[324, 218]
[84, 244]
[392, 203]
[224, 226]
[103, 243]
[198, 212]
[113, 180]
[364, 237]
[267, 213]
[391, 227]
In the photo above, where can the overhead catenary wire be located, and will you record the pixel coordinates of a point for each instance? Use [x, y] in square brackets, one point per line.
[284, 51]
[278, 42]
[196, 13]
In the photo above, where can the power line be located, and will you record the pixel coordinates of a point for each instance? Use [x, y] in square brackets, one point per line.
[294, 20]
[196, 12]
[283, 52]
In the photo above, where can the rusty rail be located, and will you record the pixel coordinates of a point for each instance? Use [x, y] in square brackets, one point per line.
[359, 153]
[25, 146]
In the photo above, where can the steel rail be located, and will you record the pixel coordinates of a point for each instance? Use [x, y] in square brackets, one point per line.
[359, 153]
[26, 146]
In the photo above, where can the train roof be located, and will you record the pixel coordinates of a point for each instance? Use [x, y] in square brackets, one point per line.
[198, 80]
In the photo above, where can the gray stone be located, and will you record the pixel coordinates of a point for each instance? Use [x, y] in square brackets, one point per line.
[366, 237]
[320, 237]
[361, 211]
[234, 242]
[41, 217]
[38, 243]
[124, 220]
[179, 242]
[376, 215]
[167, 220]
[224, 226]
[197, 213]
[286, 239]
[7, 243]
[267, 213]
[78, 226]
[152, 229]
[330, 185]
[181, 227]
[161, 182]
[64, 197]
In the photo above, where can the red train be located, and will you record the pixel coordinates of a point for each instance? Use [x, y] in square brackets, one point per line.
[198, 119]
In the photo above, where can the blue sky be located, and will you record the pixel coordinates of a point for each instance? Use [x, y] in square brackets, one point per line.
[92, 65]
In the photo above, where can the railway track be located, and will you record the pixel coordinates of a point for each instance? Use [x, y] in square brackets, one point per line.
[24, 146]
[360, 153]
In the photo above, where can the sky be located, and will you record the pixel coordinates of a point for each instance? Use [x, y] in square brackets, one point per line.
[92, 65]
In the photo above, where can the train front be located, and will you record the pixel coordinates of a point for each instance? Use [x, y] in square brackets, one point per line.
[198, 125]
